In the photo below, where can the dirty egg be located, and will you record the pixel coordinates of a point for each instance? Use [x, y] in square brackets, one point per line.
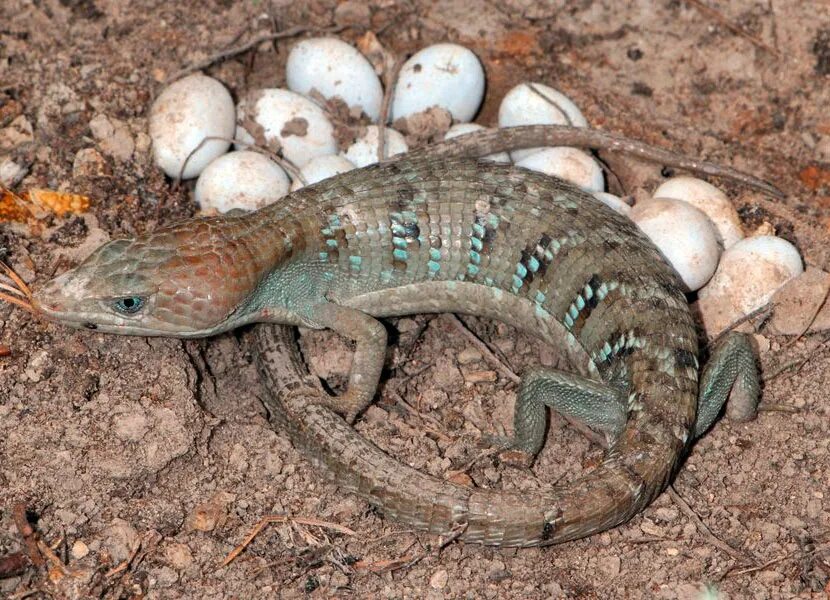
[334, 69]
[245, 179]
[685, 236]
[185, 113]
[364, 151]
[285, 121]
[570, 164]
[444, 75]
[322, 167]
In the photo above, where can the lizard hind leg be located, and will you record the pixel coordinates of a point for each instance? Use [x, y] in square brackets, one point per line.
[730, 374]
[594, 404]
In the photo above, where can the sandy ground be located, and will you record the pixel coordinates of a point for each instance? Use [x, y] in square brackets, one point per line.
[157, 452]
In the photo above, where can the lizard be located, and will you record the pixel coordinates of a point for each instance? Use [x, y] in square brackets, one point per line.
[438, 231]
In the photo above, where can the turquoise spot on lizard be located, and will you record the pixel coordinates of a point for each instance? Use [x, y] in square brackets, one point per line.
[400, 254]
[433, 267]
[434, 254]
[533, 264]
[356, 261]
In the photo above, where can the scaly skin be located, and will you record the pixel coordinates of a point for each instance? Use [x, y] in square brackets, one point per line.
[422, 234]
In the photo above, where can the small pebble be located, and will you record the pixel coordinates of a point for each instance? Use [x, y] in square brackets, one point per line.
[79, 550]
[469, 355]
[439, 579]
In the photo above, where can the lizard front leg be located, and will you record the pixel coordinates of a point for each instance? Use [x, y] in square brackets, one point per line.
[369, 336]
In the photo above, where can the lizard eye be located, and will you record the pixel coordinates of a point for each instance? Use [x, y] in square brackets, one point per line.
[129, 305]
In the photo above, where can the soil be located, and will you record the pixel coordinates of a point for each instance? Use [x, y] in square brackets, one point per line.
[144, 462]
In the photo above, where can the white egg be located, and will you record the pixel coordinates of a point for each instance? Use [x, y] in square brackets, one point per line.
[750, 272]
[334, 69]
[614, 202]
[185, 113]
[685, 236]
[570, 164]
[445, 75]
[712, 201]
[364, 151]
[464, 128]
[288, 121]
[243, 179]
[537, 104]
[322, 167]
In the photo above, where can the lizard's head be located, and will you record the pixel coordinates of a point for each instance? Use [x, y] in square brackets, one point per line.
[178, 281]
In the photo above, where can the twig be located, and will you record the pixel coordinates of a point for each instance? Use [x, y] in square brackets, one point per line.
[267, 520]
[252, 43]
[28, 533]
[126, 563]
[391, 82]
[705, 531]
[812, 318]
[780, 559]
[289, 167]
[715, 14]
[431, 423]
[799, 363]
[489, 355]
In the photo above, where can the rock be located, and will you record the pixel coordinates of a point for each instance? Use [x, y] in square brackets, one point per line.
[469, 355]
[131, 426]
[38, 366]
[18, 133]
[353, 13]
[120, 539]
[90, 163]
[178, 556]
[79, 550]
[439, 579]
[797, 301]
[208, 515]
[11, 173]
[609, 566]
[113, 137]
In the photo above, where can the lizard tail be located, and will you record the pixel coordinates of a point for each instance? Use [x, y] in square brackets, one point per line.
[482, 143]
[609, 495]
